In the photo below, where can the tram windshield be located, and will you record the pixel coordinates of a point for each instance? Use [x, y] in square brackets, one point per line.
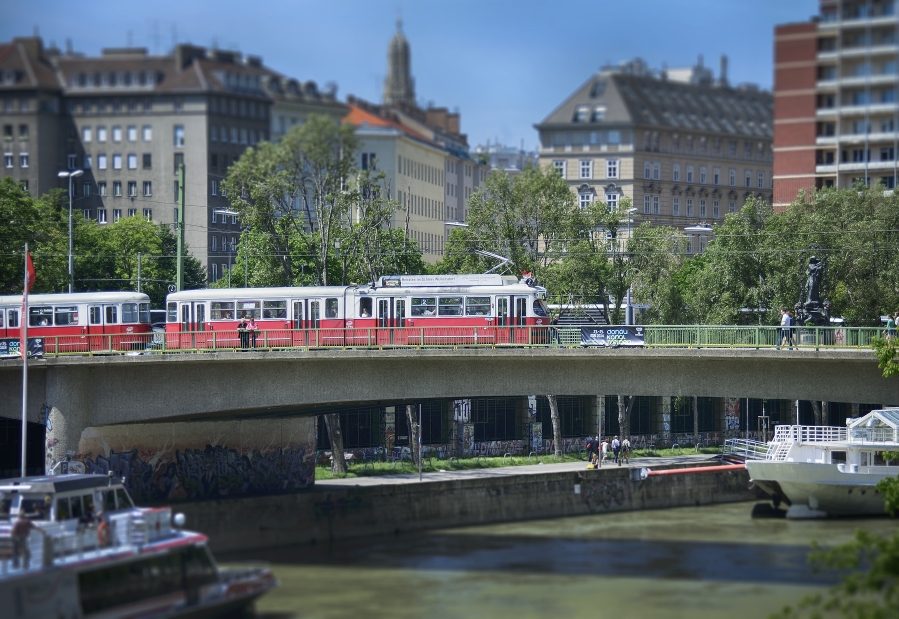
[540, 308]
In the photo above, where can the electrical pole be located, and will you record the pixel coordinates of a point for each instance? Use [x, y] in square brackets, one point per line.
[179, 284]
[138, 271]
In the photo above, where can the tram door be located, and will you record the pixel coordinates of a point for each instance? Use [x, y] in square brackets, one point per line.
[199, 311]
[313, 323]
[502, 320]
[187, 340]
[519, 316]
[299, 326]
[385, 322]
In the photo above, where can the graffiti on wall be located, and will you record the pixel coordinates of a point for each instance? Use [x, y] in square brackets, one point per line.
[731, 414]
[605, 494]
[186, 461]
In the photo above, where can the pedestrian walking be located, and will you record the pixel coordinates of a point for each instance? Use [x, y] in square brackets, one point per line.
[626, 450]
[786, 333]
[891, 326]
[605, 450]
[616, 449]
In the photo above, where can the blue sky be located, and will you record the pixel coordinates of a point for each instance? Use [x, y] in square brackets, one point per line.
[505, 64]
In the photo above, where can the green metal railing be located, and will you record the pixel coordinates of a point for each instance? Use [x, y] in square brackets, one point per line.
[566, 336]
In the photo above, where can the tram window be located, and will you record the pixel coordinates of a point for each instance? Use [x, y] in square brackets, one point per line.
[12, 318]
[112, 314]
[274, 309]
[94, 315]
[221, 310]
[62, 509]
[67, 315]
[477, 306]
[423, 306]
[540, 308]
[365, 307]
[248, 309]
[450, 306]
[172, 315]
[129, 313]
[1, 318]
[330, 308]
[144, 313]
[40, 316]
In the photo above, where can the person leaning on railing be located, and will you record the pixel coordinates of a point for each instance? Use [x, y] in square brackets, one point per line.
[20, 532]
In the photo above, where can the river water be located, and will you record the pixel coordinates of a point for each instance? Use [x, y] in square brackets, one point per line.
[691, 562]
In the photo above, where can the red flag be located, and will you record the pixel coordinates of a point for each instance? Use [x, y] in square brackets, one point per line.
[29, 272]
[29, 282]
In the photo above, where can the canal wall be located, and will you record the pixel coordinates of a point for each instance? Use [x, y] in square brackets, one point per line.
[338, 512]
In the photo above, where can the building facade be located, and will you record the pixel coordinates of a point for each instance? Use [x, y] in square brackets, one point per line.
[508, 159]
[422, 152]
[128, 120]
[836, 111]
[685, 148]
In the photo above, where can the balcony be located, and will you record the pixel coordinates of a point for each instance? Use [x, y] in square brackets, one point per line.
[874, 80]
[863, 50]
[857, 22]
[873, 109]
[826, 169]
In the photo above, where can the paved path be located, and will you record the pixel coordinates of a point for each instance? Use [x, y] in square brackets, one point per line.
[505, 471]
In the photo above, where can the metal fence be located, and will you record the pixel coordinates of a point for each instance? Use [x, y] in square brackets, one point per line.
[568, 336]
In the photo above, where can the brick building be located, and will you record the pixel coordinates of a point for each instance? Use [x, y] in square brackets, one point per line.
[836, 113]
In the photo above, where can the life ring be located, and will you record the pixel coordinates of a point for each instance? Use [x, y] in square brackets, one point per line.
[103, 534]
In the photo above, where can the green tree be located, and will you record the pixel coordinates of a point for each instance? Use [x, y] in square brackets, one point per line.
[657, 257]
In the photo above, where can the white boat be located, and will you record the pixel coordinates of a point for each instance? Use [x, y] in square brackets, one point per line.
[821, 471]
[97, 556]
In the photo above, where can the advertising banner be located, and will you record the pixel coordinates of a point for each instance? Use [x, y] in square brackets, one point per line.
[9, 347]
[618, 335]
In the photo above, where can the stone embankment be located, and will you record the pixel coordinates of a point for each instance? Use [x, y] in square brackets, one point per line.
[364, 507]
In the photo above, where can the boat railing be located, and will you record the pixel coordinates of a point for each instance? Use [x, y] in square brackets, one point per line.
[745, 448]
[809, 434]
[882, 434]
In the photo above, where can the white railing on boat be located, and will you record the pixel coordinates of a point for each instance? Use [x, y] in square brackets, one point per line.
[809, 434]
[745, 448]
[880, 434]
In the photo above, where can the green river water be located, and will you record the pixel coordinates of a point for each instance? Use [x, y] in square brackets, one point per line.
[691, 562]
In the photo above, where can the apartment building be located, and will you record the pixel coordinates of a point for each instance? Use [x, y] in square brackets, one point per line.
[836, 111]
[508, 159]
[128, 120]
[686, 148]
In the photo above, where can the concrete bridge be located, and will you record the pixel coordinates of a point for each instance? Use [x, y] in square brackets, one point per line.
[84, 392]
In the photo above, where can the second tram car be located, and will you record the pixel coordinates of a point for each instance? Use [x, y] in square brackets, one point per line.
[399, 310]
[80, 322]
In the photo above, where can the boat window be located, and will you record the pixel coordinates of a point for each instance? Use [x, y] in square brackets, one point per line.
[247, 309]
[837, 456]
[40, 316]
[62, 509]
[124, 499]
[13, 319]
[330, 308]
[95, 316]
[144, 313]
[274, 309]
[88, 501]
[32, 508]
[221, 310]
[77, 510]
[172, 315]
[423, 306]
[108, 501]
[540, 308]
[199, 569]
[109, 587]
[112, 314]
[477, 306]
[129, 313]
[365, 307]
[879, 459]
[5, 508]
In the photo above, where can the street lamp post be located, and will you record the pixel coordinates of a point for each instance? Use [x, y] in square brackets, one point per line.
[628, 318]
[70, 175]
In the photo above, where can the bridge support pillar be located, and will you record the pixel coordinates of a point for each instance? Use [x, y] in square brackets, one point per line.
[68, 400]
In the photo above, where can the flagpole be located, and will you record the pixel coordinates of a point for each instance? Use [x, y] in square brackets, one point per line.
[23, 345]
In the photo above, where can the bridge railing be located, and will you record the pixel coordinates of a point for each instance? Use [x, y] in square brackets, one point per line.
[567, 336]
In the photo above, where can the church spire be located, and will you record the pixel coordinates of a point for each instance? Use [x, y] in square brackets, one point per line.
[399, 87]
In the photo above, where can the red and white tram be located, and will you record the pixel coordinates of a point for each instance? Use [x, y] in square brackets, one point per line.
[80, 322]
[399, 310]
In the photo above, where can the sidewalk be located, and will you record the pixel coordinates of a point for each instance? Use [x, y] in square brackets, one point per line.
[505, 471]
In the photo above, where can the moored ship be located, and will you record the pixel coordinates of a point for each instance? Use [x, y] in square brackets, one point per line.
[90, 553]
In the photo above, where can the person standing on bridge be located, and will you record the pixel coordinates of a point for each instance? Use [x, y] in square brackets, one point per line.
[253, 330]
[243, 333]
